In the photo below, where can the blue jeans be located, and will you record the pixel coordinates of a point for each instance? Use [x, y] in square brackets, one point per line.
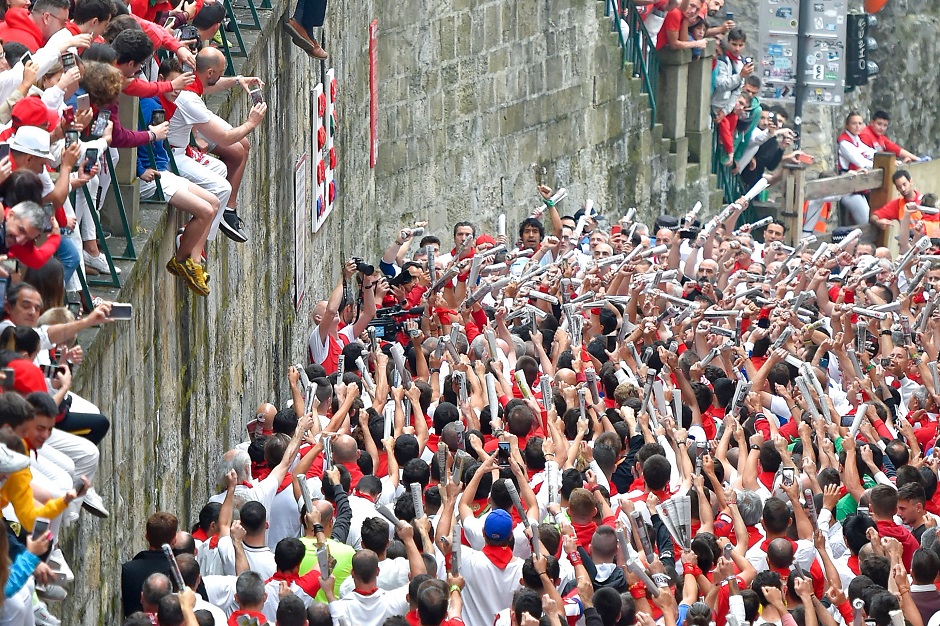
[69, 256]
[310, 14]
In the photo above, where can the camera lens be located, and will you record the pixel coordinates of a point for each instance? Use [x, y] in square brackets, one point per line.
[365, 268]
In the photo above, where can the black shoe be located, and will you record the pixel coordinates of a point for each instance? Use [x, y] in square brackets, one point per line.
[232, 226]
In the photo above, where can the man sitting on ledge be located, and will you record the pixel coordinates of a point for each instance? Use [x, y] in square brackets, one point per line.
[189, 113]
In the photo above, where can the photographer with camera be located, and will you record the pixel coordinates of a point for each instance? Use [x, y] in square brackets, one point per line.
[335, 319]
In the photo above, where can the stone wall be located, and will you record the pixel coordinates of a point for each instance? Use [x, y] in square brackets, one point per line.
[471, 94]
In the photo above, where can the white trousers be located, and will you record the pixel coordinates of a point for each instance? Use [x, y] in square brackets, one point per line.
[210, 175]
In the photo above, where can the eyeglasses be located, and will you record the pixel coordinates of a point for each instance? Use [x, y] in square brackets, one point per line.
[62, 20]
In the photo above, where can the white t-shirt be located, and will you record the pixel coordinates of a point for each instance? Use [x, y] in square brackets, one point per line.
[283, 518]
[190, 110]
[489, 589]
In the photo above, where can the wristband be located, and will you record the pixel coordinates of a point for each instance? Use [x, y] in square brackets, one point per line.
[317, 529]
[574, 558]
[638, 590]
[694, 570]
[435, 370]
[454, 588]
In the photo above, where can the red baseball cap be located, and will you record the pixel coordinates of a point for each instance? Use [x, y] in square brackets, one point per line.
[32, 111]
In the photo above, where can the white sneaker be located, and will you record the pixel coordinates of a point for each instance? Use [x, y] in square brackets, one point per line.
[59, 565]
[43, 617]
[94, 504]
[51, 593]
[98, 263]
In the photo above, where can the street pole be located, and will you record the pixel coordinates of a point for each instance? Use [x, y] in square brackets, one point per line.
[802, 67]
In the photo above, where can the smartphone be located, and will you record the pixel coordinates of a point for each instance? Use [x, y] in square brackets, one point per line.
[186, 68]
[748, 60]
[49, 371]
[40, 528]
[91, 157]
[82, 102]
[169, 23]
[157, 117]
[68, 116]
[502, 454]
[4, 150]
[789, 475]
[26, 58]
[729, 15]
[121, 311]
[100, 123]
[68, 60]
[9, 377]
[805, 158]
[256, 95]
[862, 510]
[79, 486]
[728, 549]
[48, 212]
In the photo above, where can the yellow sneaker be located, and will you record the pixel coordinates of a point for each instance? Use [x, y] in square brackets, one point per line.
[175, 267]
[195, 277]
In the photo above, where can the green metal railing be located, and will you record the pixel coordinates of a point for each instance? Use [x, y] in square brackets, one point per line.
[637, 47]
[728, 182]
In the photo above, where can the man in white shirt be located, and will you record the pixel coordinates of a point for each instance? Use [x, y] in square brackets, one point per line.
[189, 569]
[193, 114]
[366, 604]
[493, 574]
[288, 555]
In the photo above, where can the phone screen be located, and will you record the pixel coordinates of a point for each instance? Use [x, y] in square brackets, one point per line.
[101, 122]
[71, 136]
[256, 96]
[4, 150]
[91, 157]
[121, 311]
[68, 61]
[502, 454]
[157, 117]
[10, 377]
[40, 528]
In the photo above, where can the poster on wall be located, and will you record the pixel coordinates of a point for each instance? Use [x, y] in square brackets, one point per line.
[778, 61]
[300, 229]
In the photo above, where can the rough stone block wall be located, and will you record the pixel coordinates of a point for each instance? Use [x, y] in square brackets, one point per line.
[471, 95]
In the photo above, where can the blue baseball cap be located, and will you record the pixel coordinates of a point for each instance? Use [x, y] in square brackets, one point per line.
[498, 525]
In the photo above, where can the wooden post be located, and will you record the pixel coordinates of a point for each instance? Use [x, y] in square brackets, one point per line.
[887, 162]
[793, 193]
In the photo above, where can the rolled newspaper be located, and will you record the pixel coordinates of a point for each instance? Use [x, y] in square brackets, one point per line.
[366, 376]
[455, 550]
[386, 512]
[305, 493]
[417, 498]
[516, 500]
[491, 396]
[523, 385]
[548, 401]
[857, 420]
[756, 190]
[591, 376]
[501, 225]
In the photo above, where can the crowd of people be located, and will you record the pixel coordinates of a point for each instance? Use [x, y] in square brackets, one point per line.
[64, 67]
[580, 422]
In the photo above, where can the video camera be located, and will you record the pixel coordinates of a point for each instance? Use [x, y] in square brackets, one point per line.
[388, 321]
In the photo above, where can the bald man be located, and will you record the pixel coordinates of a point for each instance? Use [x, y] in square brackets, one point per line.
[346, 453]
[193, 114]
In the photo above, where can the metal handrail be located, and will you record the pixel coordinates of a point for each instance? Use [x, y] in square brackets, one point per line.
[728, 182]
[637, 47]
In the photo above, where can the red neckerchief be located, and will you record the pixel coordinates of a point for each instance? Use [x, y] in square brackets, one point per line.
[200, 535]
[365, 496]
[498, 555]
[196, 86]
[638, 485]
[853, 564]
[367, 593]
[584, 532]
[767, 479]
[287, 482]
[233, 620]
[754, 535]
[412, 618]
[767, 541]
